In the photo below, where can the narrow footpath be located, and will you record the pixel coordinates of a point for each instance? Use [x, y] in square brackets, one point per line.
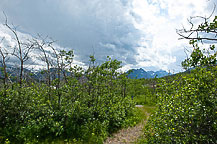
[128, 135]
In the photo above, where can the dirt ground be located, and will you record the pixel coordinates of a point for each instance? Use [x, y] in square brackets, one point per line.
[128, 135]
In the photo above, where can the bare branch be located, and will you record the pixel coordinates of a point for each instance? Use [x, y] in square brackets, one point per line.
[29, 48]
[3, 61]
[197, 33]
[196, 38]
[19, 49]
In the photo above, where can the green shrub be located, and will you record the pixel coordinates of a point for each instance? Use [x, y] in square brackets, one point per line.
[85, 110]
[187, 111]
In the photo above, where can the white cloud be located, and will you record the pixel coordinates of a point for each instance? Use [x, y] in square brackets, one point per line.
[141, 33]
[159, 20]
[35, 62]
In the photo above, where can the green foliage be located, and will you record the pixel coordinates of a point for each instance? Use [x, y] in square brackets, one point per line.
[143, 91]
[187, 110]
[200, 57]
[208, 27]
[205, 57]
[90, 106]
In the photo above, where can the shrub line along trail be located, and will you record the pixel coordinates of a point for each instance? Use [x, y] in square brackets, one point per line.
[130, 134]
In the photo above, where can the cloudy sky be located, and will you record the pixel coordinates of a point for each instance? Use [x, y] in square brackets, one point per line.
[140, 33]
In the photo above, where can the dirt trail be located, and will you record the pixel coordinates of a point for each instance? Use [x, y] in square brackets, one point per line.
[128, 135]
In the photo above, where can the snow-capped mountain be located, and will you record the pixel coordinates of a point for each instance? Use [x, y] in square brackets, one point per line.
[141, 73]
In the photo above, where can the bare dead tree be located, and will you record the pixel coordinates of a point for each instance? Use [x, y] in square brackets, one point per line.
[56, 56]
[63, 65]
[64, 59]
[58, 73]
[4, 58]
[21, 50]
[42, 44]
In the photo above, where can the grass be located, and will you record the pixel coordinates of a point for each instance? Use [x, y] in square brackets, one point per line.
[132, 134]
[149, 109]
[146, 100]
[141, 115]
[145, 109]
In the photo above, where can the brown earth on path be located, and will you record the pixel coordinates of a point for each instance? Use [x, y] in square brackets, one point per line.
[128, 135]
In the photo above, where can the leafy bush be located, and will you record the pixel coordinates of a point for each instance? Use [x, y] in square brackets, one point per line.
[186, 111]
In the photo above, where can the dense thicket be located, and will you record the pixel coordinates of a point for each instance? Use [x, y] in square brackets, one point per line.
[186, 110]
[89, 106]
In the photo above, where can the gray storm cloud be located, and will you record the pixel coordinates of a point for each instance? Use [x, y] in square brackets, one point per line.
[88, 27]
[140, 33]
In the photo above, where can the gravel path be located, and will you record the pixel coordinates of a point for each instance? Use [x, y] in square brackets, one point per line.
[128, 135]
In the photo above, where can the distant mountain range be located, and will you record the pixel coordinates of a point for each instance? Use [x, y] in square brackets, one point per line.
[141, 73]
[133, 74]
[29, 74]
